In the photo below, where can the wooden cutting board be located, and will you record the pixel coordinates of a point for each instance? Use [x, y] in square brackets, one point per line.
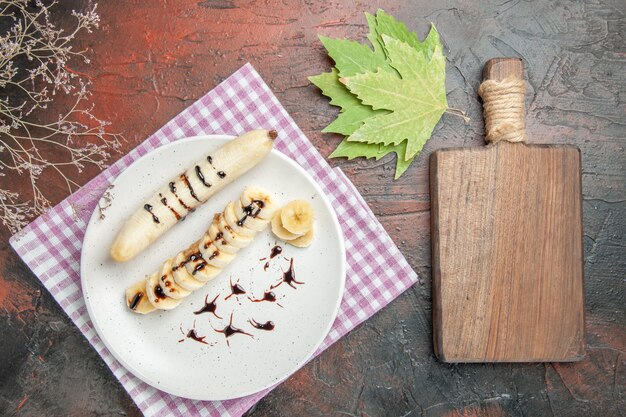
[507, 249]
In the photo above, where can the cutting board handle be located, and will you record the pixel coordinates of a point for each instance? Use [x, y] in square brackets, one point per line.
[503, 91]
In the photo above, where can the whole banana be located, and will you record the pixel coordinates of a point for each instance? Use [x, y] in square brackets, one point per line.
[190, 269]
[187, 191]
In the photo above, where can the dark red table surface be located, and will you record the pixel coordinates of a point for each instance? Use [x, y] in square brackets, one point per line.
[152, 59]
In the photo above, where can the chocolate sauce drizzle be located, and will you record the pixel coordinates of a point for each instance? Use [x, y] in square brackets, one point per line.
[276, 250]
[209, 307]
[158, 291]
[172, 186]
[191, 258]
[288, 277]
[268, 325]
[167, 283]
[182, 203]
[230, 330]
[148, 208]
[201, 176]
[220, 174]
[267, 296]
[135, 301]
[198, 268]
[164, 202]
[188, 185]
[191, 334]
[235, 289]
[251, 210]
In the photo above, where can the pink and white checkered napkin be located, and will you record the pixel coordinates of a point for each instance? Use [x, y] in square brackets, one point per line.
[376, 270]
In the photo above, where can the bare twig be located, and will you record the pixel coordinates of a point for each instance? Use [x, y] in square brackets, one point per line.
[34, 69]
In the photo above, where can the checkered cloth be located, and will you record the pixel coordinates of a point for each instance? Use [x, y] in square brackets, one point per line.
[376, 270]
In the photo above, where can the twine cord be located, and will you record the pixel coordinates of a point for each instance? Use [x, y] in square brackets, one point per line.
[503, 109]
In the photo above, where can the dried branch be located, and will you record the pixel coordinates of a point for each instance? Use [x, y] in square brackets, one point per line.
[34, 70]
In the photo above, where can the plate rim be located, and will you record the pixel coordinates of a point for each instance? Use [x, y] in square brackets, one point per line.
[343, 270]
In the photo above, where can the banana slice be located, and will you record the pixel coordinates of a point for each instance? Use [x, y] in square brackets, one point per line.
[257, 194]
[297, 217]
[230, 236]
[304, 240]
[250, 214]
[182, 277]
[279, 230]
[193, 267]
[157, 297]
[215, 257]
[136, 298]
[198, 267]
[236, 223]
[169, 285]
[218, 240]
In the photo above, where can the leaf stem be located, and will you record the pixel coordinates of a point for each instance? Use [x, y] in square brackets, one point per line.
[459, 113]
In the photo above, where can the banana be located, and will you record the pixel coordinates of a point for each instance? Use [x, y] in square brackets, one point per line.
[247, 213]
[237, 224]
[197, 266]
[217, 238]
[182, 277]
[279, 230]
[297, 217]
[260, 197]
[294, 223]
[191, 268]
[230, 236]
[303, 241]
[157, 297]
[215, 257]
[169, 285]
[136, 298]
[182, 194]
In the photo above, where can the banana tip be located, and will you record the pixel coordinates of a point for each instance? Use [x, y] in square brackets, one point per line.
[273, 134]
[119, 255]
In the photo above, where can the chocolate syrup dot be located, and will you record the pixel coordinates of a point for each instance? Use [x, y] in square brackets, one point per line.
[148, 208]
[276, 250]
[158, 291]
[209, 307]
[268, 325]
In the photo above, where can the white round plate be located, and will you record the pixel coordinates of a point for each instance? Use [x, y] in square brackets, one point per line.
[155, 347]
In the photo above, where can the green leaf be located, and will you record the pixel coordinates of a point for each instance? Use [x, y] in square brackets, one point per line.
[432, 42]
[390, 26]
[339, 95]
[394, 94]
[349, 121]
[417, 99]
[402, 165]
[352, 114]
[374, 36]
[353, 150]
[393, 128]
[351, 57]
